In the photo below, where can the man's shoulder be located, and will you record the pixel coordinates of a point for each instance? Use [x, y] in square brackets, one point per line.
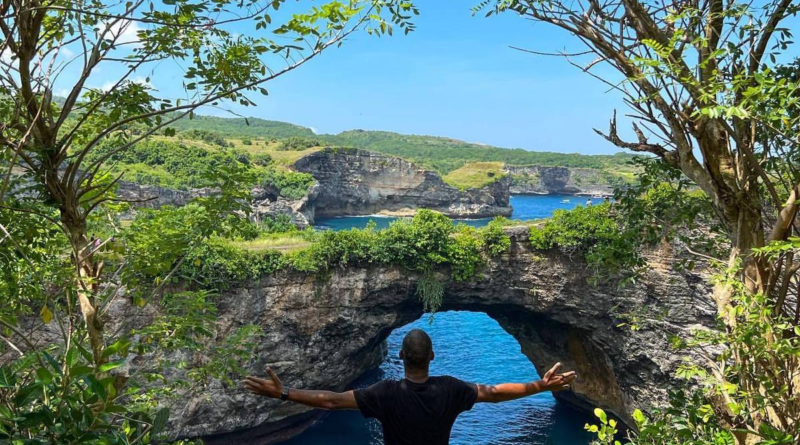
[447, 379]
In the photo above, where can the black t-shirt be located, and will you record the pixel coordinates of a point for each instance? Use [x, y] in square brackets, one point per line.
[417, 413]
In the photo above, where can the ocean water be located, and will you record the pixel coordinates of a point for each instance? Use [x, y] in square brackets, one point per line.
[526, 207]
[472, 347]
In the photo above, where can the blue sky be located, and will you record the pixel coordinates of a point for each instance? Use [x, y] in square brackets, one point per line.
[455, 76]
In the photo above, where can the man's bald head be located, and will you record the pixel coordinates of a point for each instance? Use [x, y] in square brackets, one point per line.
[417, 351]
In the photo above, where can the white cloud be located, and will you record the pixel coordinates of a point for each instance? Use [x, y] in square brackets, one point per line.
[5, 55]
[313, 130]
[6, 61]
[138, 79]
[123, 32]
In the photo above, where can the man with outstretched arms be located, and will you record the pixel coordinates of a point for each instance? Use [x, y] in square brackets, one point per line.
[419, 409]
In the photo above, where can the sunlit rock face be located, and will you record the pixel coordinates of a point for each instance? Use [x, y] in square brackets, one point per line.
[536, 179]
[324, 332]
[359, 182]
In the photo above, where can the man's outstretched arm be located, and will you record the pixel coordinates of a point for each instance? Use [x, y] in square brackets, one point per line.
[552, 381]
[273, 388]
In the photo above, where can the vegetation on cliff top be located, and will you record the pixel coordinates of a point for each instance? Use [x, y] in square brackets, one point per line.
[475, 175]
[423, 244]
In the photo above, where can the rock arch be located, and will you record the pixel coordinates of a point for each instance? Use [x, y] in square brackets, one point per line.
[326, 333]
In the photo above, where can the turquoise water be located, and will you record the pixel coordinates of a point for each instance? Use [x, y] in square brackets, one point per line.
[473, 347]
[526, 207]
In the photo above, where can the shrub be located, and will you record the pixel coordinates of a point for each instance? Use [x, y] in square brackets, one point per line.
[495, 239]
[593, 233]
[464, 253]
[205, 136]
[290, 184]
[261, 159]
[219, 264]
[297, 144]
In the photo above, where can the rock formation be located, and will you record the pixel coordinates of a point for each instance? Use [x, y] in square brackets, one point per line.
[536, 179]
[325, 332]
[360, 182]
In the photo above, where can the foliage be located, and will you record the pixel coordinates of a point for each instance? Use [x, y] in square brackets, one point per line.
[423, 244]
[277, 224]
[217, 264]
[297, 143]
[606, 431]
[242, 128]
[594, 233]
[169, 164]
[689, 419]
[289, 184]
[751, 374]
[207, 136]
[663, 205]
[106, 370]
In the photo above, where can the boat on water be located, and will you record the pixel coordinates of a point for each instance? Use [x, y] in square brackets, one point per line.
[565, 201]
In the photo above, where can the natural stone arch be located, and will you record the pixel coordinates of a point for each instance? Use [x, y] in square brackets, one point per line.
[326, 333]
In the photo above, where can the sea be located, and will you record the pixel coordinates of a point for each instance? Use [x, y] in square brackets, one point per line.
[473, 347]
[526, 207]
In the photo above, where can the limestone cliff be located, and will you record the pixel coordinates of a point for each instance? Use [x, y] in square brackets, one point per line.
[359, 182]
[326, 332]
[536, 179]
[266, 201]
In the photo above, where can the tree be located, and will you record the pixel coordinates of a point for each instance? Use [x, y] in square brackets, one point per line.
[708, 99]
[51, 185]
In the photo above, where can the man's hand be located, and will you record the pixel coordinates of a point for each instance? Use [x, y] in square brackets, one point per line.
[553, 381]
[273, 388]
[263, 387]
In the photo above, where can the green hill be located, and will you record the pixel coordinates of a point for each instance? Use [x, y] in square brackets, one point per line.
[243, 128]
[438, 153]
[445, 154]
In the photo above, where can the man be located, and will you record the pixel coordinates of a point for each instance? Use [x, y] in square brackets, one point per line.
[418, 410]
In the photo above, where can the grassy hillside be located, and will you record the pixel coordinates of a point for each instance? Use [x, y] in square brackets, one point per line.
[475, 175]
[438, 153]
[243, 128]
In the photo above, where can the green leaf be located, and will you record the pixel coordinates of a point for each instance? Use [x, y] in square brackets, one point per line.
[160, 420]
[44, 375]
[95, 386]
[601, 415]
[111, 365]
[7, 377]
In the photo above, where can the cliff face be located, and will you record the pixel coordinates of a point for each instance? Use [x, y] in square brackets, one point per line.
[324, 333]
[359, 182]
[266, 202]
[535, 179]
